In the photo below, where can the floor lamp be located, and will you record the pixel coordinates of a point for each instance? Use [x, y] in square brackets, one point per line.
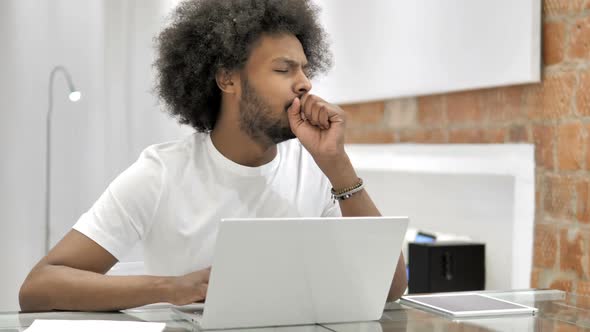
[74, 96]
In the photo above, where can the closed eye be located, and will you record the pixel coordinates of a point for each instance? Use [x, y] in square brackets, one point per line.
[281, 70]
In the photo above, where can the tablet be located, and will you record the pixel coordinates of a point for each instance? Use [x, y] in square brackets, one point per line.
[466, 305]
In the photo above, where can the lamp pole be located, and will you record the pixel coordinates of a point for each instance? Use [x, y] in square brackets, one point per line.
[74, 96]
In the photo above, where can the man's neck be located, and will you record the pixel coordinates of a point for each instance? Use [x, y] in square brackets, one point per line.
[237, 146]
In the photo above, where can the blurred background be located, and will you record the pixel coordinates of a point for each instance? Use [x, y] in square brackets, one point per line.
[107, 47]
[478, 110]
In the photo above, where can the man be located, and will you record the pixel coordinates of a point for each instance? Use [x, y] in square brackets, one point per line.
[238, 72]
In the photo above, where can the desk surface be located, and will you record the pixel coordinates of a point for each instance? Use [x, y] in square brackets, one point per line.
[558, 311]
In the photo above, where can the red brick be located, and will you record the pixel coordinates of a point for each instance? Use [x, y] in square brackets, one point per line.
[565, 327]
[423, 136]
[464, 136]
[539, 195]
[359, 115]
[545, 246]
[543, 138]
[463, 107]
[543, 325]
[561, 7]
[401, 113]
[552, 98]
[583, 293]
[583, 201]
[538, 203]
[431, 110]
[535, 276]
[580, 39]
[502, 104]
[583, 94]
[570, 146]
[583, 288]
[563, 284]
[519, 134]
[376, 136]
[553, 42]
[494, 135]
[558, 197]
[571, 256]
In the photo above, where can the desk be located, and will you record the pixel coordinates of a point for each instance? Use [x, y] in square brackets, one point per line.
[558, 311]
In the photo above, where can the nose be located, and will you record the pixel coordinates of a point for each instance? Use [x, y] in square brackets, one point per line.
[303, 84]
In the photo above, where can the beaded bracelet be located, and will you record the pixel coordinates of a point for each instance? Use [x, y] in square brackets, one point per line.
[346, 193]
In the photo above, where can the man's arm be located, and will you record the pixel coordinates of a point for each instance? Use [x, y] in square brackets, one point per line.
[342, 175]
[320, 127]
[71, 277]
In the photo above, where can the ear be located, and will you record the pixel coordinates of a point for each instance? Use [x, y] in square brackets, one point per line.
[226, 81]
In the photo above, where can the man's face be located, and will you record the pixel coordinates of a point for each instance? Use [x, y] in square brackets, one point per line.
[273, 76]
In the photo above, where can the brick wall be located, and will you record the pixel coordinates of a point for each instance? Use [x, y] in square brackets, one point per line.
[553, 115]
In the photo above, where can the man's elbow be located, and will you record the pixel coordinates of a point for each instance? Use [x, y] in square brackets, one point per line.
[31, 297]
[24, 297]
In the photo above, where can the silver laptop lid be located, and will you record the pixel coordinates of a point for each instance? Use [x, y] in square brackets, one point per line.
[271, 272]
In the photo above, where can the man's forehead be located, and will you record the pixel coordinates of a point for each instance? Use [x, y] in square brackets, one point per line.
[289, 61]
[279, 48]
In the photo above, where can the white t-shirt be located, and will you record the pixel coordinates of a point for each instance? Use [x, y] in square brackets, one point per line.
[174, 196]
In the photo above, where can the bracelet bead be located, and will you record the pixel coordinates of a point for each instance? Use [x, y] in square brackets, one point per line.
[346, 193]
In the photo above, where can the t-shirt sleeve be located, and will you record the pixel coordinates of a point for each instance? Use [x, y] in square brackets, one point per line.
[124, 212]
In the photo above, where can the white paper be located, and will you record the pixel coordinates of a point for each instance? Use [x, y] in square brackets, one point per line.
[46, 325]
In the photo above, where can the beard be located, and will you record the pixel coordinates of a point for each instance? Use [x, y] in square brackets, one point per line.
[257, 120]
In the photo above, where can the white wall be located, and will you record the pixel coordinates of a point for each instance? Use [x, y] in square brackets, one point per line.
[23, 101]
[107, 47]
[484, 191]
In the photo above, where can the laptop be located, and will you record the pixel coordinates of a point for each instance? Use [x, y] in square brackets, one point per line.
[295, 271]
